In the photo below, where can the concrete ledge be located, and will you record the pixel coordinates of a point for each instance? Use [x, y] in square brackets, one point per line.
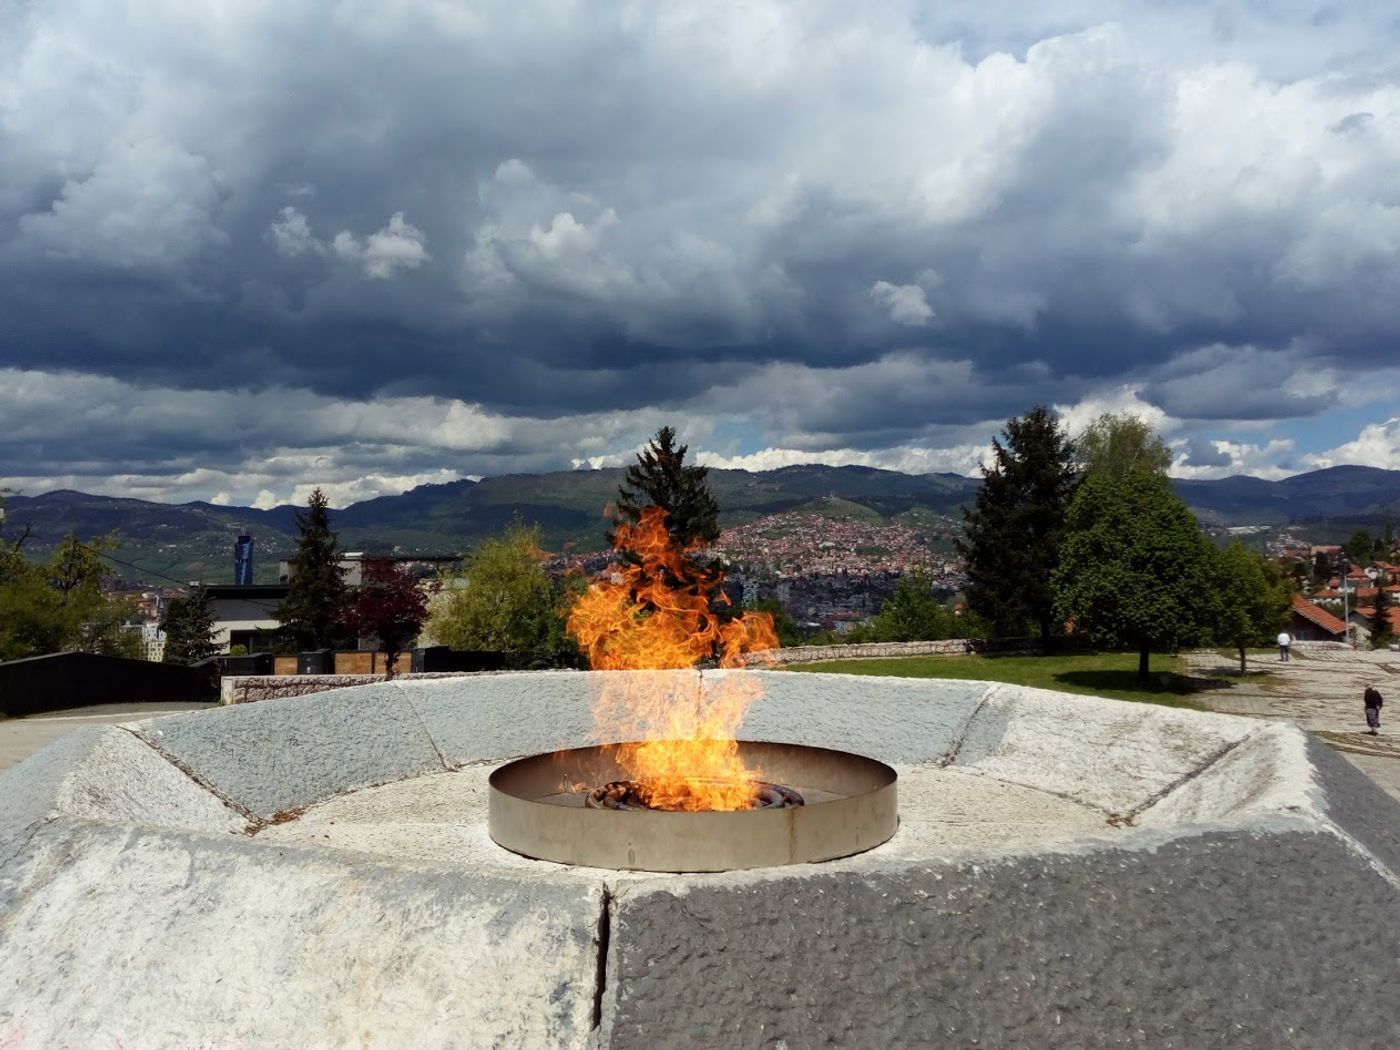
[1215, 881]
[140, 938]
[281, 755]
[1221, 940]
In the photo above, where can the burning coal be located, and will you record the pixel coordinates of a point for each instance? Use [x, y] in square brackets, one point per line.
[653, 612]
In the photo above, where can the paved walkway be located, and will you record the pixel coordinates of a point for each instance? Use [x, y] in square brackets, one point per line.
[1320, 689]
[21, 737]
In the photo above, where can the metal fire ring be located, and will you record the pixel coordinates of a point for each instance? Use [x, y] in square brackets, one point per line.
[537, 810]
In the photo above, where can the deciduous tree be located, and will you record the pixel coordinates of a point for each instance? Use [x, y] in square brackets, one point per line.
[505, 602]
[389, 606]
[1119, 444]
[1252, 599]
[316, 597]
[62, 604]
[1134, 569]
[1012, 534]
[912, 614]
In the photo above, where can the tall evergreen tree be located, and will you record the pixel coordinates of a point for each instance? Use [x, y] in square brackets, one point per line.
[660, 478]
[189, 629]
[1012, 534]
[311, 613]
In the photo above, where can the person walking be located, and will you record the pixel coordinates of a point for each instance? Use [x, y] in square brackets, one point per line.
[1373, 700]
[1284, 641]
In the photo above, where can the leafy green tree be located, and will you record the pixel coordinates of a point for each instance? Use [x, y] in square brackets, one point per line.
[660, 478]
[1134, 570]
[505, 602]
[783, 624]
[189, 629]
[1252, 599]
[913, 613]
[1119, 444]
[316, 597]
[389, 606]
[1012, 534]
[62, 604]
[1360, 547]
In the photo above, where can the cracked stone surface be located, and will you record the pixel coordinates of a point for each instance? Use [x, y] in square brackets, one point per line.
[316, 872]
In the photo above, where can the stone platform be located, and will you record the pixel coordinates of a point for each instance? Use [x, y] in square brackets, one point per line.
[315, 872]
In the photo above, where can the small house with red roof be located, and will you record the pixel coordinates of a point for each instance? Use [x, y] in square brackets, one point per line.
[1309, 623]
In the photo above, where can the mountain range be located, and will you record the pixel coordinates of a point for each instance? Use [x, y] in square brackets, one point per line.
[175, 543]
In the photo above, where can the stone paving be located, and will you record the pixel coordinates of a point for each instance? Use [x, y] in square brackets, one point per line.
[1320, 690]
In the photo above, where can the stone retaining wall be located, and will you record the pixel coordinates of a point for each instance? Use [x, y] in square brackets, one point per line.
[805, 654]
[246, 689]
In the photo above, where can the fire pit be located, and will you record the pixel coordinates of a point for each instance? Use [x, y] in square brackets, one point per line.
[577, 807]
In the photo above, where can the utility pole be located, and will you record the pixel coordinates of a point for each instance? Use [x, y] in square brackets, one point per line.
[1346, 616]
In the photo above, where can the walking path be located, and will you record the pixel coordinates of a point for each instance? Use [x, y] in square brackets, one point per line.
[21, 737]
[1320, 689]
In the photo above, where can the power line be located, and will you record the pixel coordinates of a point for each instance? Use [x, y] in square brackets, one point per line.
[138, 568]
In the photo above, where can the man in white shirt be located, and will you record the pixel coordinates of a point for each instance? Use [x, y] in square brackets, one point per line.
[1284, 641]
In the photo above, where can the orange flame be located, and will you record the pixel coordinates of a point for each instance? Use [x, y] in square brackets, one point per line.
[652, 613]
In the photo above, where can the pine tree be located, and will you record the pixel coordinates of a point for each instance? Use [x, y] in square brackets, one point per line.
[311, 613]
[1012, 534]
[189, 629]
[660, 478]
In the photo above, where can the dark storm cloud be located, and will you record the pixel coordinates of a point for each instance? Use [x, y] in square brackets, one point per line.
[852, 229]
[1204, 454]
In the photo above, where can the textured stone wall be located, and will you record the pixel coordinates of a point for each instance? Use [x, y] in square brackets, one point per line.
[806, 654]
[245, 689]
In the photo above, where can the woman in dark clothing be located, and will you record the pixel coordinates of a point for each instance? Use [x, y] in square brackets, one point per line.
[1372, 699]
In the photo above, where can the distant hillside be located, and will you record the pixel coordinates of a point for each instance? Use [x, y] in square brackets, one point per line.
[162, 542]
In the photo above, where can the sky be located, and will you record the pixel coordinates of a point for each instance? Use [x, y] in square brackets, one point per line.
[250, 248]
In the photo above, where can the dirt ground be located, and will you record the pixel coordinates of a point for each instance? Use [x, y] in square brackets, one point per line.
[1320, 689]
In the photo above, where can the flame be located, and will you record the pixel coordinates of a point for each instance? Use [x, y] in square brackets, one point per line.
[652, 613]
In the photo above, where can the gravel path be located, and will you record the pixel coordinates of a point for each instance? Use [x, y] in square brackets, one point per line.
[1320, 689]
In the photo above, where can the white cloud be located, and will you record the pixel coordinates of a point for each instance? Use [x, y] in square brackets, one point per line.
[1378, 445]
[291, 234]
[398, 246]
[1255, 460]
[905, 303]
[1124, 400]
[961, 459]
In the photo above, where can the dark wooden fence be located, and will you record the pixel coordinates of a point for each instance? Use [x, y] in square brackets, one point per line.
[64, 680]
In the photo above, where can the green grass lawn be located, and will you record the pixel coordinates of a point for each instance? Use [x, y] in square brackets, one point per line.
[1095, 674]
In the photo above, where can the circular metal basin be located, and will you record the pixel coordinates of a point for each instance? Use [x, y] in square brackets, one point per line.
[537, 810]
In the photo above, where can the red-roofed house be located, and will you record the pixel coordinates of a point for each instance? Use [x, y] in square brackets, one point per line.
[1308, 623]
[1361, 620]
